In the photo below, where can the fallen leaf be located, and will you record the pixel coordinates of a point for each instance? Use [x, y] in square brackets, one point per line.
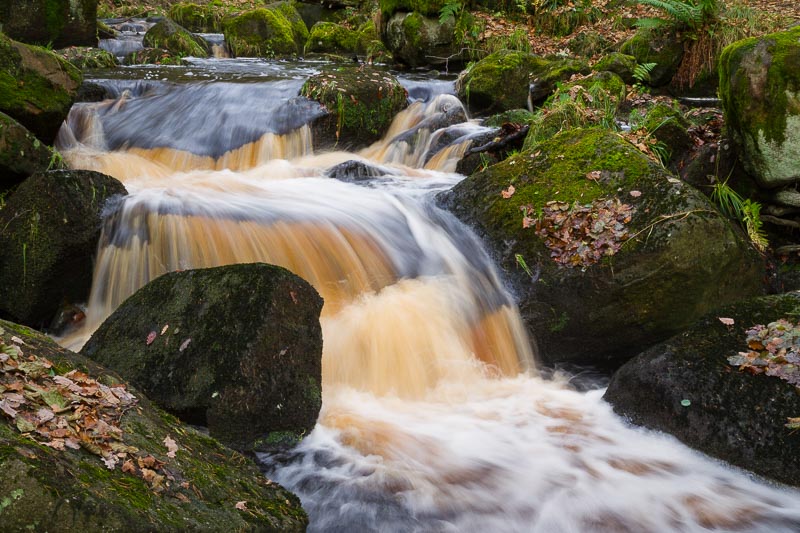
[151, 337]
[128, 467]
[508, 193]
[636, 194]
[594, 175]
[164, 329]
[110, 461]
[726, 321]
[171, 445]
[184, 345]
[242, 505]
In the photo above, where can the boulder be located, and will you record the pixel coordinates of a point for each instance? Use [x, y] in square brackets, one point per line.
[84, 57]
[663, 48]
[423, 7]
[235, 348]
[622, 65]
[666, 124]
[168, 35]
[56, 23]
[21, 154]
[37, 87]
[760, 92]
[136, 468]
[510, 79]
[260, 33]
[687, 387]
[51, 228]
[288, 8]
[418, 40]
[362, 102]
[605, 251]
[330, 37]
[196, 18]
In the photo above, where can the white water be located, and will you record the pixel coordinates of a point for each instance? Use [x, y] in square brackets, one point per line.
[433, 418]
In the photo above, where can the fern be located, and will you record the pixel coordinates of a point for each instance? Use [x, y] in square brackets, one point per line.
[751, 216]
[450, 10]
[747, 212]
[642, 71]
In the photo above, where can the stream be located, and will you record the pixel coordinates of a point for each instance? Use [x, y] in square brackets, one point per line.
[434, 415]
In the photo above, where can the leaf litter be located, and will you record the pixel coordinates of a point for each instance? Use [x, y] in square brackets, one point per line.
[72, 411]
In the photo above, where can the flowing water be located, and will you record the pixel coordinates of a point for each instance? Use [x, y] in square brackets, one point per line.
[434, 417]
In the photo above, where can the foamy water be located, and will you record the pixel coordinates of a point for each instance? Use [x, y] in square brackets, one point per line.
[434, 417]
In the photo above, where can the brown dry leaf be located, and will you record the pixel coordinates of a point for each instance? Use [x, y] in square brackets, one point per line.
[635, 194]
[594, 175]
[242, 505]
[726, 321]
[150, 338]
[508, 193]
[171, 445]
[128, 467]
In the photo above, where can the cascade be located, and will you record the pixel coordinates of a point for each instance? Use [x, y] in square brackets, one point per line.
[434, 417]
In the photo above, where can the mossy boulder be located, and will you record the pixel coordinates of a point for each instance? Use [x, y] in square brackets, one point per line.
[152, 56]
[423, 7]
[667, 124]
[330, 37]
[361, 102]
[51, 225]
[260, 33]
[686, 387]
[589, 43]
[235, 348]
[760, 92]
[664, 48]
[622, 65]
[37, 87]
[679, 260]
[288, 8]
[21, 153]
[178, 40]
[56, 23]
[84, 57]
[512, 116]
[418, 40]
[195, 487]
[196, 18]
[508, 79]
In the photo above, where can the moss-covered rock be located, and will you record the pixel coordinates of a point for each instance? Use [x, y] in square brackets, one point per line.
[760, 91]
[169, 35]
[686, 387]
[51, 225]
[260, 33]
[235, 348]
[362, 102]
[288, 8]
[332, 38]
[203, 19]
[197, 489]
[667, 124]
[622, 65]
[21, 153]
[416, 40]
[513, 116]
[84, 57]
[663, 48]
[682, 258]
[423, 7]
[152, 56]
[56, 23]
[589, 43]
[507, 79]
[37, 87]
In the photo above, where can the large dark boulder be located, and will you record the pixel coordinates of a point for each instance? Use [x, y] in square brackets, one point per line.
[510, 79]
[687, 387]
[37, 87]
[56, 23]
[760, 92]
[168, 35]
[361, 102]
[600, 288]
[50, 228]
[136, 467]
[235, 348]
[418, 40]
[21, 154]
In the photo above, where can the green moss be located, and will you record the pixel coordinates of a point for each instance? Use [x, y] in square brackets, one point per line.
[424, 7]
[620, 64]
[170, 36]
[665, 49]
[514, 116]
[330, 37]
[299, 29]
[196, 18]
[260, 33]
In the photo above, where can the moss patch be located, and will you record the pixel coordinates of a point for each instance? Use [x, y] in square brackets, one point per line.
[170, 36]
[260, 33]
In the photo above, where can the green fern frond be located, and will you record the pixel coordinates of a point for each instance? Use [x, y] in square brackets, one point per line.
[650, 23]
[450, 10]
[642, 71]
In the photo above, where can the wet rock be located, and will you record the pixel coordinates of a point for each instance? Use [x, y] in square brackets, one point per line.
[665, 49]
[263, 33]
[511, 80]
[56, 23]
[685, 386]
[21, 154]
[418, 40]
[234, 348]
[152, 56]
[361, 104]
[354, 171]
[759, 81]
[170, 36]
[681, 259]
[37, 87]
[63, 490]
[51, 228]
